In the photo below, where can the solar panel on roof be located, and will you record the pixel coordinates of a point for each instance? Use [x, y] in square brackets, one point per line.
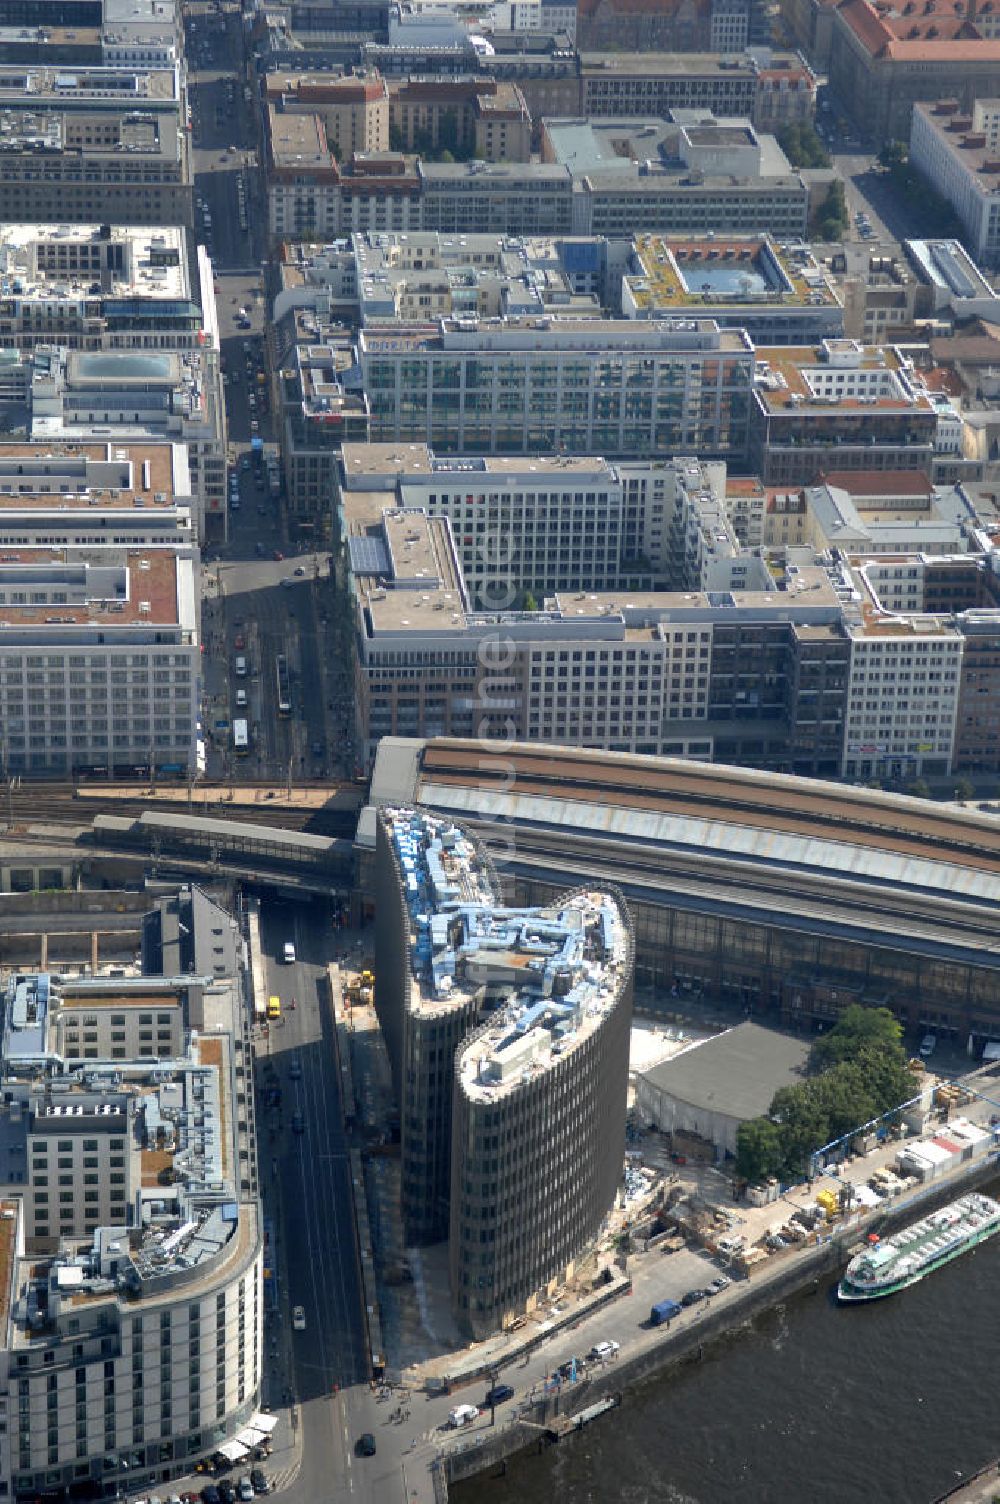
[369, 555]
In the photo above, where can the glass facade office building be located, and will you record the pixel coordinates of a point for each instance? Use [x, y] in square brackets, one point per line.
[562, 386]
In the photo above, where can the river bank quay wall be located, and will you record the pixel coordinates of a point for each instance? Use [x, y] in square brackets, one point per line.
[800, 1272]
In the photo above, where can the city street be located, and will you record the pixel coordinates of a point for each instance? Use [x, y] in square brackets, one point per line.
[242, 599]
[305, 1174]
[270, 609]
[867, 188]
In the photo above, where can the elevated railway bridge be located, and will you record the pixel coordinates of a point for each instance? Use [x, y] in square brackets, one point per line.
[785, 896]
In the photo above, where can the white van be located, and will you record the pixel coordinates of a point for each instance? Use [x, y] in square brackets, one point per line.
[288, 953]
[241, 666]
[462, 1415]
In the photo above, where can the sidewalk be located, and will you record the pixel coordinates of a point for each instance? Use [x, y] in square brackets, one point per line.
[983, 1488]
[276, 1391]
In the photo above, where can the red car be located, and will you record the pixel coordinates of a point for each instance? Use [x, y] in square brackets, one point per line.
[278, 555]
[239, 642]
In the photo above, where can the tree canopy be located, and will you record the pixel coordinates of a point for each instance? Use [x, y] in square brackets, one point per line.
[858, 1073]
[831, 219]
[855, 1028]
[802, 145]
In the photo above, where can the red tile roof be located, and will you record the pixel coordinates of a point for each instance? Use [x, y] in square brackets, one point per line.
[880, 482]
[918, 33]
[867, 25]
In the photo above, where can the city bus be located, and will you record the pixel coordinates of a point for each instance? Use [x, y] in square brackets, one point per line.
[284, 688]
[274, 1007]
[241, 738]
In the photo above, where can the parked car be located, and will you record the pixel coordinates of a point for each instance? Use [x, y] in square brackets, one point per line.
[227, 1492]
[693, 1297]
[719, 1284]
[210, 1494]
[602, 1351]
[927, 1046]
[498, 1395]
[244, 1491]
[298, 1319]
[259, 1480]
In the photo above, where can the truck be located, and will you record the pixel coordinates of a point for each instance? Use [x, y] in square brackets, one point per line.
[462, 1415]
[664, 1311]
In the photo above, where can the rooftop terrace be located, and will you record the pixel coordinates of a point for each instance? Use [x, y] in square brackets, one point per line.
[63, 262]
[552, 972]
[692, 272]
[89, 477]
[838, 375]
[142, 588]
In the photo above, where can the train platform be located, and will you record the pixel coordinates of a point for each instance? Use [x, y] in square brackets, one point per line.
[210, 796]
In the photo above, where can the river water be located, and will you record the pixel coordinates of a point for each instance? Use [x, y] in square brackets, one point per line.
[810, 1403]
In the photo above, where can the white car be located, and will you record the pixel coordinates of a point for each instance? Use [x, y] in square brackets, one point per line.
[288, 950]
[298, 1318]
[602, 1351]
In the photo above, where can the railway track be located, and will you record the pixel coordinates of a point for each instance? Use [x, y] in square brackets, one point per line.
[830, 895]
[44, 804]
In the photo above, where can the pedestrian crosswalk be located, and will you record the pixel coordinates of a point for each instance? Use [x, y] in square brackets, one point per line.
[284, 1477]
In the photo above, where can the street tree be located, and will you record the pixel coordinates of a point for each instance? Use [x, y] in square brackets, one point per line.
[759, 1149]
[856, 1027]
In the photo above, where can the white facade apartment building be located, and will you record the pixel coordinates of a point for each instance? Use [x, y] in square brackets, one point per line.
[132, 1291]
[106, 287]
[82, 1168]
[96, 495]
[533, 15]
[151, 1026]
[624, 670]
[519, 526]
[959, 156]
[557, 523]
[100, 662]
[905, 677]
